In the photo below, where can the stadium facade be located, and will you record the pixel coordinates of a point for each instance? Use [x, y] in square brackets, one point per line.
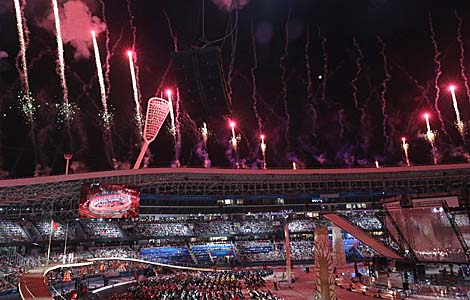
[189, 190]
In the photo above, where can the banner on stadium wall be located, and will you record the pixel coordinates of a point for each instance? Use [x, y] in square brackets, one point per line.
[221, 252]
[109, 201]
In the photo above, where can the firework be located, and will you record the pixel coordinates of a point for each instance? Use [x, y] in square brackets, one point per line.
[202, 146]
[138, 114]
[204, 133]
[234, 142]
[341, 122]
[431, 137]
[106, 117]
[284, 92]
[458, 123]
[172, 114]
[27, 106]
[377, 164]
[294, 166]
[383, 98]
[323, 77]
[354, 81]
[462, 54]
[263, 150]
[234, 138]
[405, 147]
[438, 70]
[67, 110]
[21, 39]
[254, 91]
[308, 69]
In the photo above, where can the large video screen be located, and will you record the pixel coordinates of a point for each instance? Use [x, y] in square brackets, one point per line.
[109, 201]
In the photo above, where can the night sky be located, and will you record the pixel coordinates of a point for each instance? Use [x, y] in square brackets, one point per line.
[353, 78]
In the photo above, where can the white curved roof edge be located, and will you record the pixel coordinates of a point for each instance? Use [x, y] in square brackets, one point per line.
[215, 171]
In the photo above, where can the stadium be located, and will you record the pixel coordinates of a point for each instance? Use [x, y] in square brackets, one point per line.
[402, 231]
[234, 150]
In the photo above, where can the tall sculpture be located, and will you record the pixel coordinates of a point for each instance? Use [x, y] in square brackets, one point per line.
[339, 256]
[324, 277]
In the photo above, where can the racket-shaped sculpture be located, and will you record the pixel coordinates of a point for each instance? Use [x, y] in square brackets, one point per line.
[157, 111]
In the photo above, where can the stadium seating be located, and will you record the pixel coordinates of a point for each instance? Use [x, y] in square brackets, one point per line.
[301, 226]
[44, 228]
[157, 229]
[102, 229]
[261, 250]
[167, 255]
[12, 232]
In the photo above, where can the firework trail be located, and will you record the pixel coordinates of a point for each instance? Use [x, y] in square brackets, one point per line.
[253, 69]
[26, 100]
[85, 87]
[359, 58]
[365, 136]
[310, 99]
[105, 115]
[174, 37]
[384, 91]
[231, 67]
[107, 63]
[341, 122]
[99, 68]
[60, 48]
[132, 23]
[202, 146]
[325, 64]
[109, 50]
[135, 62]
[424, 102]
[424, 91]
[173, 34]
[462, 54]
[271, 113]
[21, 22]
[405, 147]
[159, 89]
[284, 81]
[458, 123]
[438, 70]
[172, 114]
[138, 109]
[178, 128]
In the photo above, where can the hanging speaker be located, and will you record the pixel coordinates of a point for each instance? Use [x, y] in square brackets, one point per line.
[201, 83]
